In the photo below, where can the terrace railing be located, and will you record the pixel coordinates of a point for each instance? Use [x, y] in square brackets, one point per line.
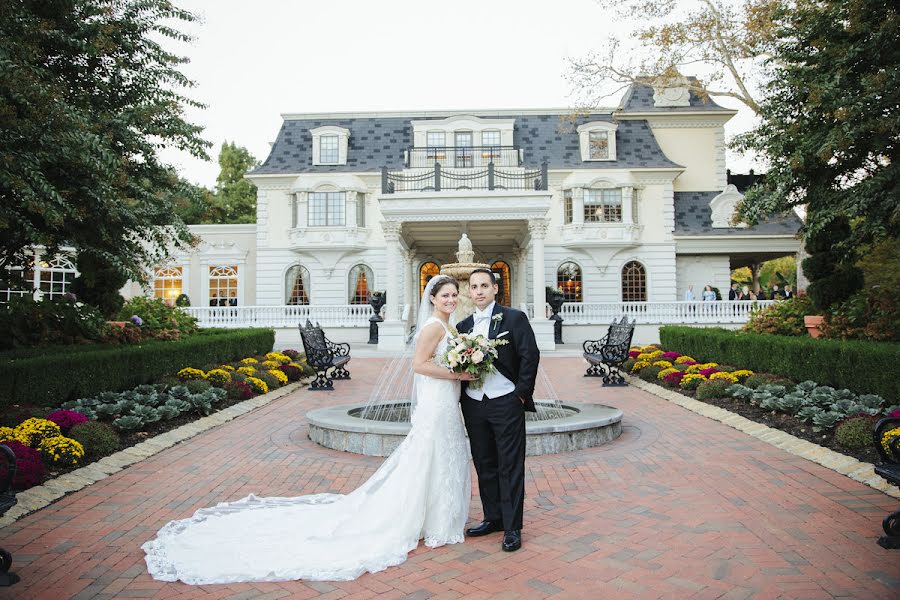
[439, 179]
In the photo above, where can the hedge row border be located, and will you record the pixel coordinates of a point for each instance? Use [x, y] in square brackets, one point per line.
[861, 366]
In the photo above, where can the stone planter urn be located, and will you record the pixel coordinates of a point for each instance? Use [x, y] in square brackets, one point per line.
[377, 300]
[812, 323]
[555, 300]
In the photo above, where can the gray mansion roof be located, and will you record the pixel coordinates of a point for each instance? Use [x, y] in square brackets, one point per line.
[639, 98]
[377, 142]
[694, 217]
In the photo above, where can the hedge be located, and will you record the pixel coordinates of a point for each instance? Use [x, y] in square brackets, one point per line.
[861, 366]
[82, 371]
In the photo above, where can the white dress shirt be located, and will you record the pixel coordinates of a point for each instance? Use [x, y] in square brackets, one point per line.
[495, 384]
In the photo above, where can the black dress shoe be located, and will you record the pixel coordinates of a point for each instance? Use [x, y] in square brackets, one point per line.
[512, 540]
[484, 528]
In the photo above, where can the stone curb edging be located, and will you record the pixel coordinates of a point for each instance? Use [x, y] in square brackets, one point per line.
[40, 496]
[857, 470]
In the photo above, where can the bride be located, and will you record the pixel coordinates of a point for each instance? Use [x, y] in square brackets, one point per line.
[422, 490]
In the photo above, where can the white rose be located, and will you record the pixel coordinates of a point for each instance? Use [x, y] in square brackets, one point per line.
[453, 358]
[477, 356]
[460, 348]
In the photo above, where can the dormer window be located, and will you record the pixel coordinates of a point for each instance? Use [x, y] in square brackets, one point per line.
[598, 141]
[329, 145]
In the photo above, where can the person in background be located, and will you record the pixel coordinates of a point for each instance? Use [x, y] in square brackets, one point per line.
[214, 300]
[745, 293]
[734, 293]
[776, 293]
[788, 292]
[233, 300]
[708, 294]
[689, 294]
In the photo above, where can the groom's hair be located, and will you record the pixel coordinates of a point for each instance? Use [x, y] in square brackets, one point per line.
[487, 272]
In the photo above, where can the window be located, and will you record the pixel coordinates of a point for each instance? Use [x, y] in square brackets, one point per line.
[603, 206]
[297, 286]
[18, 283]
[361, 281]
[436, 141]
[501, 275]
[326, 209]
[223, 286]
[463, 142]
[56, 276]
[426, 272]
[328, 149]
[599, 145]
[567, 207]
[490, 141]
[168, 284]
[634, 282]
[568, 279]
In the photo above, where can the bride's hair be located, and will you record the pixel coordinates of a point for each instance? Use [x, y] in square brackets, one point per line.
[440, 281]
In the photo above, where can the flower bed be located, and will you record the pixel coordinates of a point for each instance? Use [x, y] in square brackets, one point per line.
[89, 428]
[819, 414]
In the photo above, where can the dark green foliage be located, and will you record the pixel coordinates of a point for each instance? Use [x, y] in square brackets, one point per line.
[27, 323]
[66, 374]
[855, 433]
[89, 97]
[830, 280]
[197, 386]
[182, 301]
[830, 121]
[98, 284]
[271, 382]
[712, 389]
[861, 366]
[98, 439]
[782, 318]
[650, 373]
[157, 315]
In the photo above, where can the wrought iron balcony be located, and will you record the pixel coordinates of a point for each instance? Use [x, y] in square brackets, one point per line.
[439, 179]
[463, 157]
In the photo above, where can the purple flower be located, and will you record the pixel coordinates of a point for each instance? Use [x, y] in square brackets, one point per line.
[66, 419]
[137, 320]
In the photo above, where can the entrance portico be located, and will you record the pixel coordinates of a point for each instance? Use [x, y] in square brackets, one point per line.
[508, 224]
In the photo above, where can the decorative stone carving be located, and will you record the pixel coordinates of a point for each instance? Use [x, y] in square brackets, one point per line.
[537, 228]
[723, 207]
[669, 92]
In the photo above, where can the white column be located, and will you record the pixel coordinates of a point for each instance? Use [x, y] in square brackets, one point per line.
[578, 206]
[408, 257]
[543, 328]
[627, 195]
[350, 208]
[391, 335]
[302, 200]
[521, 290]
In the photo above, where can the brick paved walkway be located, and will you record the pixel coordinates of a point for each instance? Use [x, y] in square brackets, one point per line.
[679, 507]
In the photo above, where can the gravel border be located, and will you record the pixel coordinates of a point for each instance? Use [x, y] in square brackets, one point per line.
[857, 470]
[37, 497]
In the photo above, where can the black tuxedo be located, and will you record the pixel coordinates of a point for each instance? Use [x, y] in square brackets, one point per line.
[496, 426]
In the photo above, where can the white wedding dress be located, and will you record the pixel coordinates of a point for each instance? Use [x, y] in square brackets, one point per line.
[422, 490]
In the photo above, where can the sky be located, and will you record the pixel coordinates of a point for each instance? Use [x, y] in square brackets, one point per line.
[253, 61]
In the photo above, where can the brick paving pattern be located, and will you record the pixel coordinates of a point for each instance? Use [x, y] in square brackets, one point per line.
[679, 506]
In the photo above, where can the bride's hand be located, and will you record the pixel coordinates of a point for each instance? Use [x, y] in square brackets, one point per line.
[466, 377]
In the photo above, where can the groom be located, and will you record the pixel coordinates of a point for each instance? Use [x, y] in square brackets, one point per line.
[495, 414]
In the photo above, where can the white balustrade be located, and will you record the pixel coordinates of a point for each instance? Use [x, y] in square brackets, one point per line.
[652, 313]
[287, 316]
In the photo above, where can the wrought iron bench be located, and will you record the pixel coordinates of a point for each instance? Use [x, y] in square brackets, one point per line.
[323, 355]
[889, 468]
[7, 501]
[606, 355]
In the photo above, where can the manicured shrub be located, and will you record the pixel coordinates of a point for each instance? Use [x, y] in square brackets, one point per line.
[27, 323]
[66, 419]
[29, 467]
[155, 315]
[713, 389]
[650, 373]
[197, 387]
[862, 366]
[781, 318]
[56, 375]
[98, 439]
[855, 433]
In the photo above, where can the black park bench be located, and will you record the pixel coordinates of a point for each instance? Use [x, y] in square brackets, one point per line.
[327, 358]
[889, 468]
[605, 356]
[7, 501]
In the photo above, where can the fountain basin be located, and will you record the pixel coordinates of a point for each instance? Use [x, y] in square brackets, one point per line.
[343, 428]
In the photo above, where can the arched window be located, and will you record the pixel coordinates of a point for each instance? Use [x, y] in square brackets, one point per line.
[223, 285]
[57, 276]
[634, 282]
[568, 279]
[296, 286]
[426, 272]
[501, 274]
[167, 284]
[361, 281]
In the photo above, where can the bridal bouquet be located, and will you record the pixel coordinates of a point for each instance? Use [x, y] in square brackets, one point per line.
[475, 354]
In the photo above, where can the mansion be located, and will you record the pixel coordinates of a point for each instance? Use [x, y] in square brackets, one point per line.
[622, 210]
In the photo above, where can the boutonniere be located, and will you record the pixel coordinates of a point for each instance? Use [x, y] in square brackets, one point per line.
[496, 319]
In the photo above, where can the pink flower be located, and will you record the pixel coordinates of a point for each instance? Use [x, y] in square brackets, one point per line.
[634, 353]
[670, 355]
[66, 419]
[477, 357]
[674, 378]
[29, 468]
[707, 372]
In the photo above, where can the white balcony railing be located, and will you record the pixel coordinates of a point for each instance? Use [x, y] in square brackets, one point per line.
[341, 315]
[657, 313]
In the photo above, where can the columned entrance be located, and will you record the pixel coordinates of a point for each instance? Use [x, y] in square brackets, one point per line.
[421, 230]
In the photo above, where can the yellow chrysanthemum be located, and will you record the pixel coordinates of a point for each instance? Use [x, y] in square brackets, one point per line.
[257, 385]
[729, 377]
[227, 368]
[32, 432]
[270, 364]
[279, 375]
[886, 438]
[639, 365]
[662, 363]
[218, 377]
[683, 359]
[742, 374]
[246, 370]
[662, 374]
[189, 373]
[62, 451]
[249, 361]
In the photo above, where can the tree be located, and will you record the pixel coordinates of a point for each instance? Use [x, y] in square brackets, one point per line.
[831, 121]
[235, 197]
[729, 42]
[88, 97]
[193, 204]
